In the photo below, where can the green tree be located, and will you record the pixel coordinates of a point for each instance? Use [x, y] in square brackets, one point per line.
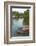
[26, 17]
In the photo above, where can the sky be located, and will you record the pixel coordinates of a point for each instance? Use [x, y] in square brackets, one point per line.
[20, 10]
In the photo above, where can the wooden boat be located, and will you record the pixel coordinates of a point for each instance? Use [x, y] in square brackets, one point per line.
[23, 30]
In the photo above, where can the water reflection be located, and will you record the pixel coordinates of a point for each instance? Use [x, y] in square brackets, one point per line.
[16, 24]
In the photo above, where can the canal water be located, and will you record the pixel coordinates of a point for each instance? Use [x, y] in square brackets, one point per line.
[16, 24]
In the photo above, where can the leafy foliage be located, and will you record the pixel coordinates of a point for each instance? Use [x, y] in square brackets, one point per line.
[25, 15]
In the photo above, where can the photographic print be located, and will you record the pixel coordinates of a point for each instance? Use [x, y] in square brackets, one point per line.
[19, 22]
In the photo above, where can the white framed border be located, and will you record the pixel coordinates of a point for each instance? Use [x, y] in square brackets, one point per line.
[25, 38]
[7, 38]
